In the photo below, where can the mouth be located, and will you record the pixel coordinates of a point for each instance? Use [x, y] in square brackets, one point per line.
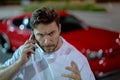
[49, 48]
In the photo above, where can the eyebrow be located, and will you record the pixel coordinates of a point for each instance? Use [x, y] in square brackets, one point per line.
[40, 33]
[47, 33]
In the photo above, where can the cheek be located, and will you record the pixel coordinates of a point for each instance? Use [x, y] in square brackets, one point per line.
[56, 36]
[38, 40]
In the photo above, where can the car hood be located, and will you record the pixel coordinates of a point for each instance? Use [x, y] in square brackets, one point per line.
[93, 39]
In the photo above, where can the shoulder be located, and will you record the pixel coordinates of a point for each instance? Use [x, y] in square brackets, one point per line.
[74, 53]
[73, 50]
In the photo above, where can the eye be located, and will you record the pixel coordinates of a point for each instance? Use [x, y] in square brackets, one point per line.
[52, 33]
[40, 35]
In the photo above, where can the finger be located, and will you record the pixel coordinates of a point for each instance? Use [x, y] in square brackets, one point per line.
[32, 37]
[72, 76]
[29, 50]
[30, 45]
[75, 67]
[69, 68]
[28, 42]
[74, 70]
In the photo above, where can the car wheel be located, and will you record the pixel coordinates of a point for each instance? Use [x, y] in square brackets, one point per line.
[4, 43]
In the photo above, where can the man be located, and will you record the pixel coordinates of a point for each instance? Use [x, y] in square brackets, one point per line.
[46, 55]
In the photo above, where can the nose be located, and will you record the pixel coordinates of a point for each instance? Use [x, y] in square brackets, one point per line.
[47, 39]
[47, 42]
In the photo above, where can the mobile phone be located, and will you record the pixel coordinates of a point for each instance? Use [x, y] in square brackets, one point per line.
[32, 37]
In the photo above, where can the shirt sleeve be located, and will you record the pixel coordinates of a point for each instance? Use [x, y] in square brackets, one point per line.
[14, 57]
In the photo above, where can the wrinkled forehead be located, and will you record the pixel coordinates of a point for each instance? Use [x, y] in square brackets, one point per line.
[46, 28]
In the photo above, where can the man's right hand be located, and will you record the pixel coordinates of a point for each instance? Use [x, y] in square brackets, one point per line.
[28, 49]
[7, 73]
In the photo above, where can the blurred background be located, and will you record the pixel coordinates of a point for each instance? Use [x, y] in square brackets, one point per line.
[98, 13]
[103, 13]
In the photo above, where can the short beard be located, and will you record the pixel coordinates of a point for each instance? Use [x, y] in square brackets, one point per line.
[55, 46]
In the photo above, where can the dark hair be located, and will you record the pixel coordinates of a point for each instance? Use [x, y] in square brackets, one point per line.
[45, 16]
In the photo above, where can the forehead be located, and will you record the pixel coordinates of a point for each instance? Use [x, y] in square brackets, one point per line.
[45, 28]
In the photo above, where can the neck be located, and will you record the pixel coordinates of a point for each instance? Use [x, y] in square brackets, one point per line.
[59, 44]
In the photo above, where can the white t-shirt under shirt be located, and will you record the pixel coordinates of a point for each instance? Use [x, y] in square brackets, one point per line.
[43, 66]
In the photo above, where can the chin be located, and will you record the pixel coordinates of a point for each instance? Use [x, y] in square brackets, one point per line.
[49, 51]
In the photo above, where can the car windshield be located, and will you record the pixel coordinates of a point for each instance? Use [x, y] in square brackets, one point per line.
[68, 23]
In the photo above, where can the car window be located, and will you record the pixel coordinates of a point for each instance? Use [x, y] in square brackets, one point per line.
[22, 23]
[70, 23]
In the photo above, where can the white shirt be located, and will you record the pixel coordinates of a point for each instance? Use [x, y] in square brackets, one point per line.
[50, 67]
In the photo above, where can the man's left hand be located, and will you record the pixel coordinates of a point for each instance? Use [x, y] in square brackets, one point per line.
[75, 73]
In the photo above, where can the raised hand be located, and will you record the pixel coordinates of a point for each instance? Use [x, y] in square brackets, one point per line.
[75, 73]
[28, 49]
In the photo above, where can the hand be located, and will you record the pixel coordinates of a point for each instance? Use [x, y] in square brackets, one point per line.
[28, 49]
[75, 73]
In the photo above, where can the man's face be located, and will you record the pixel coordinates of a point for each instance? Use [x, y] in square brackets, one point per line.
[48, 36]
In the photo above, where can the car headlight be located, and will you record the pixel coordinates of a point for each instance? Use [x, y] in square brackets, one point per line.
[94, 54]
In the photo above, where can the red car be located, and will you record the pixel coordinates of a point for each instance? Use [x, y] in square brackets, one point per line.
[100, 46]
